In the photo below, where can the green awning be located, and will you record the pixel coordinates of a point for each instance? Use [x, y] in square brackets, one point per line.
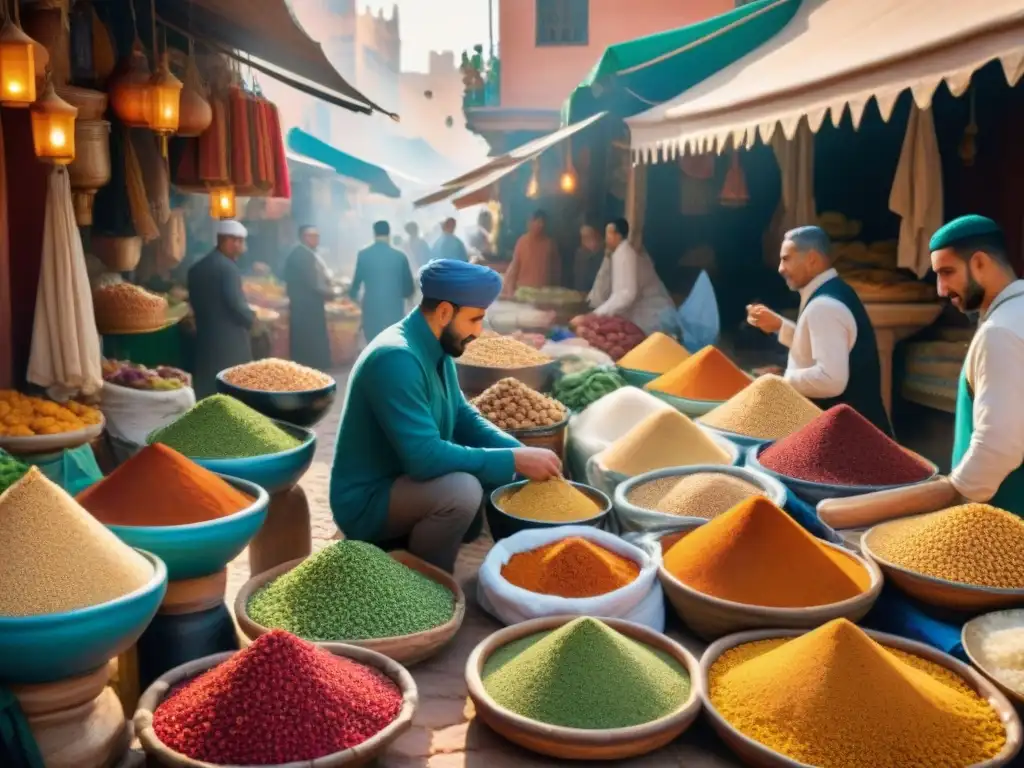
[636, 75]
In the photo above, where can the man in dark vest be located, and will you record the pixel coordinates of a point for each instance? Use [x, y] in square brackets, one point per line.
[833, 355]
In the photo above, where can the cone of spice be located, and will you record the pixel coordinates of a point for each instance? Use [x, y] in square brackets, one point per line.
[572, 567]
[551, 501]
[768, 409]
[663, 439]
[756, 554]
[707, 375]
[657, 353]
[841, 447]
[836, 698]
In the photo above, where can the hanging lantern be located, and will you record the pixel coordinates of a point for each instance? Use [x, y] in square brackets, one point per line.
[53, 127]
[163, 100]
[222, 202]
[567, 181]
[533, 187]
[734, 190]
[129, 88]
[17, 66]
[195, 113]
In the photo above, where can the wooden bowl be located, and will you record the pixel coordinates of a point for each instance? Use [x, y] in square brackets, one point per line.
[581, 743]
[406, 649]
[162, 755]
[952, 596]
[756, 754]
[971, 637]
[712, 617]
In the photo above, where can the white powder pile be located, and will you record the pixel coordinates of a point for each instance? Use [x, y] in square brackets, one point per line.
[1002, 650]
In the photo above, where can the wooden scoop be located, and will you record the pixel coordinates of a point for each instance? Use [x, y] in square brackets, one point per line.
[871, 508]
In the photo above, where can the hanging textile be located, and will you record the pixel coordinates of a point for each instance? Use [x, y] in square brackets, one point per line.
[6, 330]
[138, 201]
[916, 194]
[65, 356]
[796, 204]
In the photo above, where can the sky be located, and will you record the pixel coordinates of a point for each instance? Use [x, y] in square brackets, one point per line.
[437, 25]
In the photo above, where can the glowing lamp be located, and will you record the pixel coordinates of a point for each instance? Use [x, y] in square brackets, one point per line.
[163, 100]
[568, 182]
[53, 127]
[17, 66]
[533, 187]
[222, 202]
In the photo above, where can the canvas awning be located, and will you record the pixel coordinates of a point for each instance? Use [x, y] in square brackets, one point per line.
[373, 176]
[635, 75]
[498, 167]
[836, 54]
[268, 31]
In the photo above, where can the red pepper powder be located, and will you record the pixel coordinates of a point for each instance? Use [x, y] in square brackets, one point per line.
[280, 700]
[841, 447]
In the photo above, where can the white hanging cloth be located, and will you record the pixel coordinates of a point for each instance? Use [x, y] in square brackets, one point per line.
[65, 357]
[795, 158]
[917, 191]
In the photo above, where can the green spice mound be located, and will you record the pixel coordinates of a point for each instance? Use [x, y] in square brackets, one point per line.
[220, 427]
[351, 591]
[11, 470]
[585, 675]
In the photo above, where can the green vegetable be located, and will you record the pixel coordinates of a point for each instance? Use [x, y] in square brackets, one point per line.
[577, 391]
[11, 470]
[351, 591]
[585, 675]
[220, 427]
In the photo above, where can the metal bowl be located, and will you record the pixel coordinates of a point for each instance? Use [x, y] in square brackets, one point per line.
[304, 408]
[474, 379]
[503, 524]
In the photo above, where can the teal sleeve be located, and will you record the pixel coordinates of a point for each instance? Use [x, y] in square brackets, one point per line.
[473, 429]
[398, 396]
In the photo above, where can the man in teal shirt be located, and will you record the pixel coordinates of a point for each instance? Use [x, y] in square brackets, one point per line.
[413, 457]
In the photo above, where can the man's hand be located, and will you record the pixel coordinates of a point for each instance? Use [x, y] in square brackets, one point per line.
[764, 319]
[537, 463]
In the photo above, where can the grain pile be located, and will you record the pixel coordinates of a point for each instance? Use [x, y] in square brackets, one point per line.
[704, 494]
[972, 544]
[663, 439]
[274, 375]
[708, 375]
[551, 501]
[573, 567]
[1002, 650]
[125, 306]
[56, 556]
[501, 352]
[615, 414]
[768, 409]
[510, 404]
[657, 353]
[585, 675]
[835, 698]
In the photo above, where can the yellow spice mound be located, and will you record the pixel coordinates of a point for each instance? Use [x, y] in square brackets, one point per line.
[835, 698]
[769, 409]
[662, 439]
[552, 501]
[657, 353]
[972, 544]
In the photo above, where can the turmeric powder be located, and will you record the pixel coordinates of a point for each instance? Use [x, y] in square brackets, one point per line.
[836, 698]
[657, 353]
[552, 501]
[708, 375]
[572, 567]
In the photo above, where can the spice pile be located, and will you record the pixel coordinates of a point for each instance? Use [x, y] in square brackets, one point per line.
[657, 353]
[274, 375]
[281, 700]
[572, 567]
[585, 675]
[704, 494]
[26, 416]
[1002, 650]
[220, 427]
[127, 307]
[707, 375]
[768, 409]
[756, 554]
[972, 544]
[663, 439]
[550, 501]
[56, 556]
[577, 391]
[510, 404]
[11, 470]
[501, 352]
[841, 447]
[835, 698]
[614, 415]
[351, 590]
[187, 493]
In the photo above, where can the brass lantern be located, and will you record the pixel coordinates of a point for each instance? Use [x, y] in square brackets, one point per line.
[222, 202]
[163, 100]
[17, 66]
[53, 127]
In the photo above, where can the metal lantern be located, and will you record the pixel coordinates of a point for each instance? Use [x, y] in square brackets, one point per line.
[222, 202]
[53, 127]
[163, 100]
[17, 66]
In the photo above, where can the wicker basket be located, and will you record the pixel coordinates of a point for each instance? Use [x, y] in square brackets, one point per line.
[119, 254]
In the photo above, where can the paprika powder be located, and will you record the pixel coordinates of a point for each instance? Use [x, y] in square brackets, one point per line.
[572, 567]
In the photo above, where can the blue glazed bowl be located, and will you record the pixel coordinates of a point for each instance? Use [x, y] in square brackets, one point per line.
[273, 472]
[55, 646]
[200, 549]
[686, 406]
[812, 493]
[503, 524]
[304, 408]
[636, 378]
[743, 441]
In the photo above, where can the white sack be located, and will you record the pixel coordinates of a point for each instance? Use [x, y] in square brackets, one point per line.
[132, 414]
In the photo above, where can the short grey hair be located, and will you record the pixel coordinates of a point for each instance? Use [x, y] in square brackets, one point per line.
[810, 239]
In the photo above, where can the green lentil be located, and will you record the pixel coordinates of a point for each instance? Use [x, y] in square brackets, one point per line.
[220, 427]
[585, 675]
[11, 470]
[351, 590]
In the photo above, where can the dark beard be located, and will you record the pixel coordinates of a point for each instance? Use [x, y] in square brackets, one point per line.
[452, 345]
[973, 296]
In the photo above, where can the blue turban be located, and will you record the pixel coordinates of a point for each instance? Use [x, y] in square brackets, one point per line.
[459, 282]
[961, 229]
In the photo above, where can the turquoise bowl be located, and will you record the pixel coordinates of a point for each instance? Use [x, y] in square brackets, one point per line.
[636, 378]
[199, 549]
[273, 472]
[686, 406]
[303, 408]
[742, 441]
[56, 646]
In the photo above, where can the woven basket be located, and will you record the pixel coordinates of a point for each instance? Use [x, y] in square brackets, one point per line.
[118, 254]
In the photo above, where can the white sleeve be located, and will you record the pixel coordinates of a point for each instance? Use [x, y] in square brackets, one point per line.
[624, 282]
[786, 332]
[833, 332]
[997, 445]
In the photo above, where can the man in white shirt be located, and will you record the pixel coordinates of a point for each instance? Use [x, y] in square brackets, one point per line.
[833, 355]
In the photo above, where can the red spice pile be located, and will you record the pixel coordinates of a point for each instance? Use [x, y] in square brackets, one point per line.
[841, 447]
[280, 700]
